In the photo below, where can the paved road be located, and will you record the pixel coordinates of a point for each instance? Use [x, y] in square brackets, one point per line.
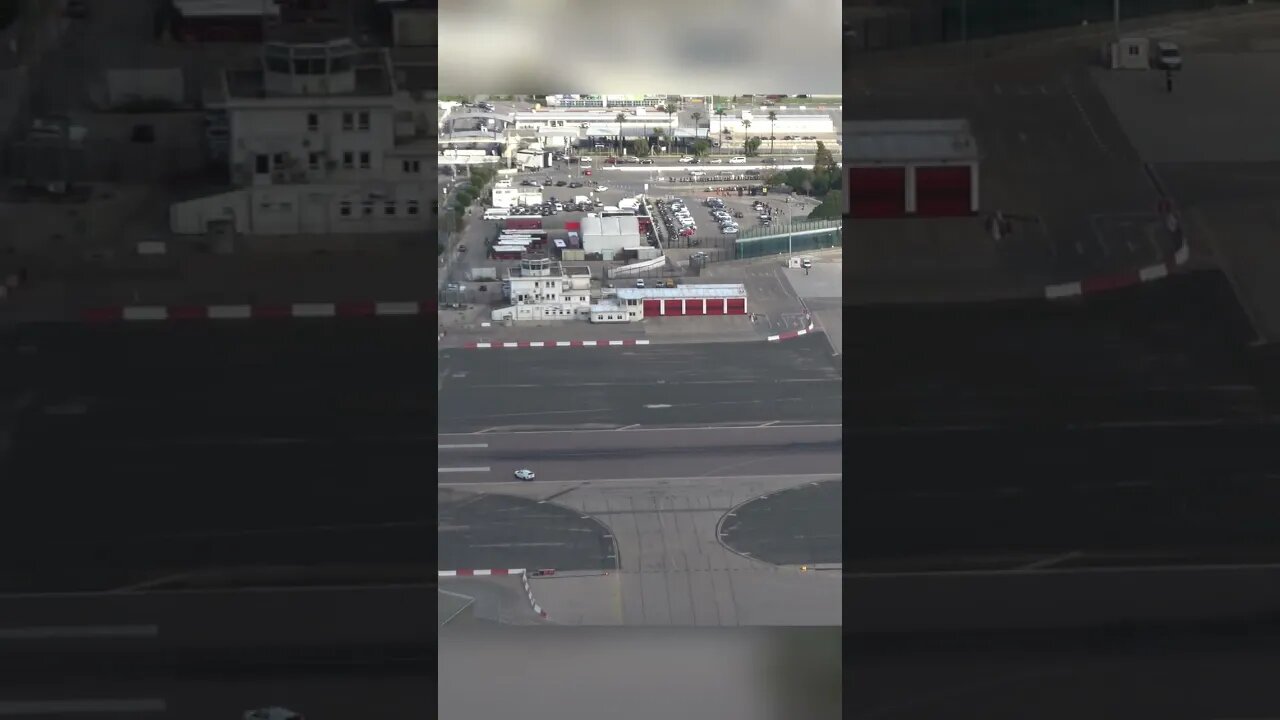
[197, 445]
[792, 382]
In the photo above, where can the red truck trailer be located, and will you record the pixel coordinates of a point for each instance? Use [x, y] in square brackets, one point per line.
[523, 223]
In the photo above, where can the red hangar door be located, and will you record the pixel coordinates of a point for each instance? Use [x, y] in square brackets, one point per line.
[878, 192]
[943, 191]
[674, 307]
[652, 308]
[737, 306]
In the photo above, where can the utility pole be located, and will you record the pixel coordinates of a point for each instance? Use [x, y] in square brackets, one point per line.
[1115, 18]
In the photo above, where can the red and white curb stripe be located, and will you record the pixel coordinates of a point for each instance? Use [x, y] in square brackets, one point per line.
[553, 343]
[478, 573]
[1104, 283]
[791, 334]
[130, 313]
[536, 607]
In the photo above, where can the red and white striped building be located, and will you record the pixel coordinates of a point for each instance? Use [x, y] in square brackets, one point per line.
[634, 304]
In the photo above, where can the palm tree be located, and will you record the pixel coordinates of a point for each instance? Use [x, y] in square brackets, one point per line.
[746, 135]
[773, 118]
[670, 110]
[620, 118]
[720, 112]
[696, 117]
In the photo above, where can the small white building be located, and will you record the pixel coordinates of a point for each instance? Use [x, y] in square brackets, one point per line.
[543, 289]
[609, 235]
[321, 141]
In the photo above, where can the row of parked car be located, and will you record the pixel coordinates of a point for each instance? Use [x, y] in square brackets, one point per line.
[728, 225]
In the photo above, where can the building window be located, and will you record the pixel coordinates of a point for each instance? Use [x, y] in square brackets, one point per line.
[348, 121]
[286, 207]
[313, 160]
[411, 207]
[345, 209]
[277, 161]
[313, 122]
[389, 208]
[411, 166]
[348, 159]
[261, 164]
[368, 208]
[364, 160]
[364, 120]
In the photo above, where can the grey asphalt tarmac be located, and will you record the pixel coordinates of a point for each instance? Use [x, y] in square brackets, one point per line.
[712, 384]
[148, 450]
[496, 531]
[1053, 154]
[791, 527]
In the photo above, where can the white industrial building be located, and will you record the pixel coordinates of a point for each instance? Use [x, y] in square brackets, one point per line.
[321, 141]
[543, 289]
[786, 124]
[609, 235]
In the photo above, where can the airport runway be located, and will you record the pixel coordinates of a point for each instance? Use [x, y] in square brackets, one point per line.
[1201, 677]
[1174, 350]
[966, 499]
[712, 384]
[526, 524]
[147, 450]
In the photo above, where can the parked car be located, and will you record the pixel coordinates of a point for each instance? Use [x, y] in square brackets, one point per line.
[797, 159]
[525, 474]
[575, 184]
[646, 161]
[715, 161]
[739, 160]
[686, 159]
[639, 282]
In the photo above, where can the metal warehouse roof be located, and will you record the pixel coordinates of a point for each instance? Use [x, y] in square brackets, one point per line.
[683, 291]
[887, 141]
[620, 225]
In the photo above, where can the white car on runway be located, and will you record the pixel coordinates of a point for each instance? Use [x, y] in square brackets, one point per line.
[524, 474]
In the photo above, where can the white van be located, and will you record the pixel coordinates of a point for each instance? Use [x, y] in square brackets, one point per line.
[696, 173]
[496, 213]
[740, 160]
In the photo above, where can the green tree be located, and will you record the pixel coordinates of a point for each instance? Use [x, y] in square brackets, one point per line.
[824, 160]
[773, 118]
[746, 134]
[832, 206]
[752, 146]
[640, 148]
[700, 148]
[620, 118]
[696, 117]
